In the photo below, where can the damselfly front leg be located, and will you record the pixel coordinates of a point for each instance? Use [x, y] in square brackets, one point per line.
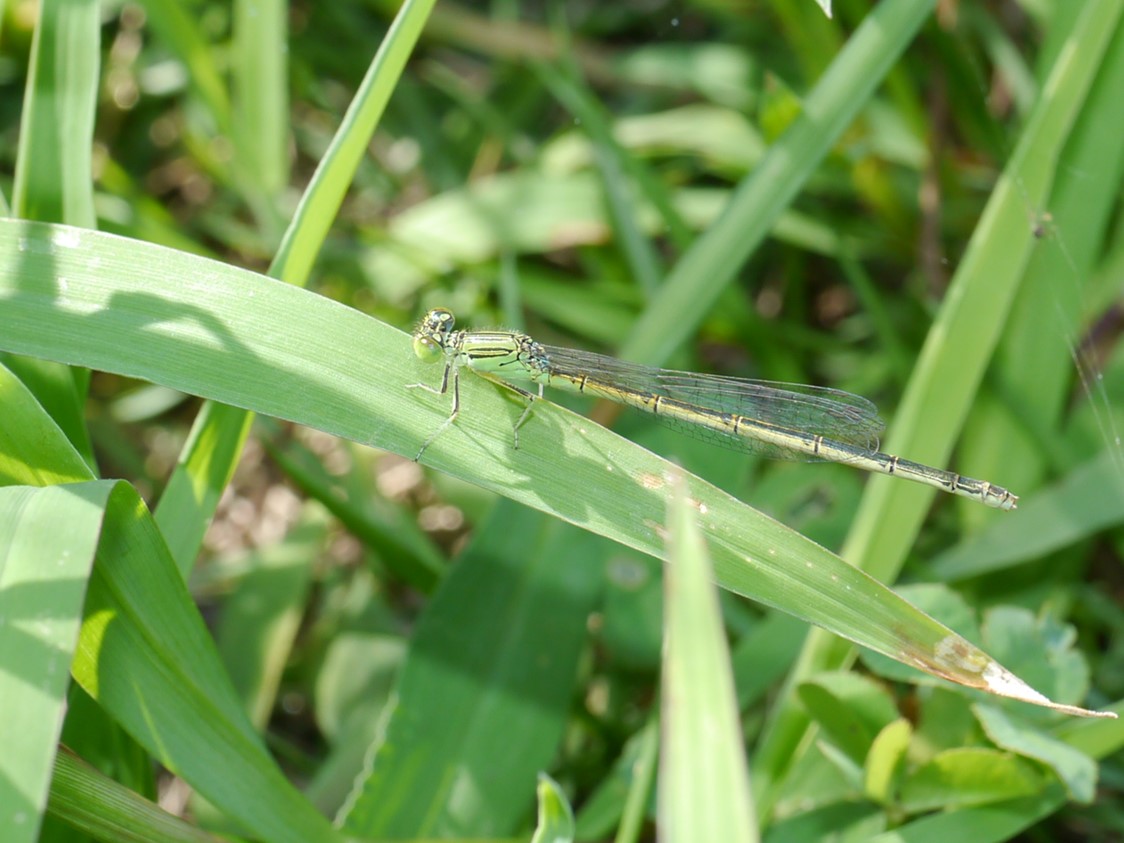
[443, 389]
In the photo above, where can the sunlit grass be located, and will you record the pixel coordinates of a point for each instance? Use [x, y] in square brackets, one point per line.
[912, 207]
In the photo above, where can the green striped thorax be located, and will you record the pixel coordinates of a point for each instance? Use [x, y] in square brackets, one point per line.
[506, 355]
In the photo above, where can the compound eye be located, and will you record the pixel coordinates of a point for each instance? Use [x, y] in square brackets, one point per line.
[441, 320]
[427, 349]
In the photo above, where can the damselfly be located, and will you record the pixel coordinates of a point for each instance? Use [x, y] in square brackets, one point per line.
[777, 420]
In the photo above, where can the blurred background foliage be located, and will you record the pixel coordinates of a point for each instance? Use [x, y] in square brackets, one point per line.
[544, 166]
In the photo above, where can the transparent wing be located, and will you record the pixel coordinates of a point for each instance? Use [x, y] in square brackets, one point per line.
[831, 413]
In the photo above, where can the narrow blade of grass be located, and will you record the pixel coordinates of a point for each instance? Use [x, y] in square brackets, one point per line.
[704, 781]
[126, 308]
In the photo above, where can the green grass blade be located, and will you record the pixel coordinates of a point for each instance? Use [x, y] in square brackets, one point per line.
[1054, 303]
[957, 350]
[202, 473]
[1087, 500]
[217, 437]
[243, 339]
[990, 824]
[967, 328]
[179, 30]
[42, 609]
[53, 170]
[262, 614]
[145, 655]
[639, 252]
[695, 283]
[333, 178]
[261, 86]
[490, 673]
[704, 781]
[91, 802]
[33, 449]
[54, 179]
[641, 779]
[556, 818]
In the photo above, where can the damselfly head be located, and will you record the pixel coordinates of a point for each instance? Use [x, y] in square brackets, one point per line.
[431, 334]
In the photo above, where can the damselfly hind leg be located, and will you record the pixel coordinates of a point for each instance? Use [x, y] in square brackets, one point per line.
[530, 396]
